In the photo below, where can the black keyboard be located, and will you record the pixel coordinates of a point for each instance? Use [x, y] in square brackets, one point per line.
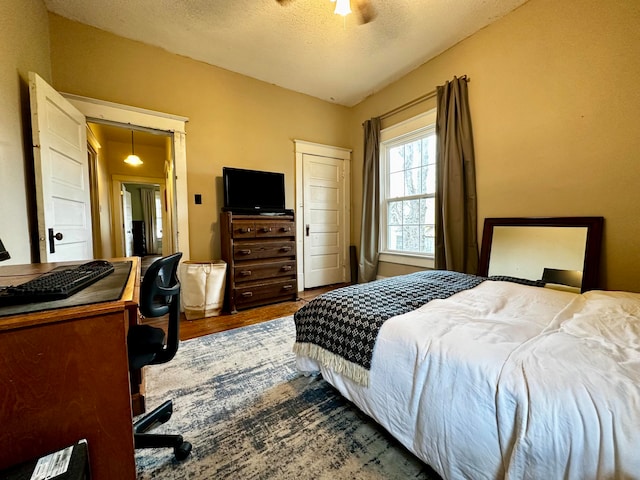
[57, 284]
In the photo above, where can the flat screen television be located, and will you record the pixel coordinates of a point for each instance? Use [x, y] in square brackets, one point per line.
[253, 191]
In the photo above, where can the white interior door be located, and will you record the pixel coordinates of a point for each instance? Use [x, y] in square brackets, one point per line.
[128, 222]
[323, 180]
[61, 175]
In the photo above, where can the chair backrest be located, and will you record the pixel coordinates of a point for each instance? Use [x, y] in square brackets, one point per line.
[159, 296]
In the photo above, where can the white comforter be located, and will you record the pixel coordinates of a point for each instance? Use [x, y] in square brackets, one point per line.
[510, 381]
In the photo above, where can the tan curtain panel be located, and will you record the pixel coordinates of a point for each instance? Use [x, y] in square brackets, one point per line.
[370, 227]
[148, 198]
[456, 202]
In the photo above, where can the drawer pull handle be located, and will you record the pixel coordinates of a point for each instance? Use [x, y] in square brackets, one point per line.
[245, 252]
[245, 230]
[286, 229]
[266, 229]
[245, 273]
[247, 294]
[286, 268]
[285, 249]
[287, 287]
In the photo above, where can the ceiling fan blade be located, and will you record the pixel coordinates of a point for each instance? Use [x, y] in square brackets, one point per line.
[365, 10]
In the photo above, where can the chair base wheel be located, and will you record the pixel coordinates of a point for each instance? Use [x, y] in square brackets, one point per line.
[182, 451]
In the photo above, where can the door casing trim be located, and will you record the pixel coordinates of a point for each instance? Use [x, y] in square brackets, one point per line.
[302, 147]
[103, 111]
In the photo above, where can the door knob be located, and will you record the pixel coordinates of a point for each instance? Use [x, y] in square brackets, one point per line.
[58, 236]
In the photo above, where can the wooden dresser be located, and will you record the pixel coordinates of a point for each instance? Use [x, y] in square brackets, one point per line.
[260, 252]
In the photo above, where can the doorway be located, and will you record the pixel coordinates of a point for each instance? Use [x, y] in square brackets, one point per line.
[145, 213]
[139, 229]
[172, 129]
[132, 213]
[323, 214]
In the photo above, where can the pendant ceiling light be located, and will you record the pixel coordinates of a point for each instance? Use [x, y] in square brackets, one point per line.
[133, 159]
[343, 7]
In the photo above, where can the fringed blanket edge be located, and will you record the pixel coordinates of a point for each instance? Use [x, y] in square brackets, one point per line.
[338, 364]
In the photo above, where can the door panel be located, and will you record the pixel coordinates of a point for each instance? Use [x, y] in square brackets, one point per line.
[62, 175]
[127, 222]
[323, 180]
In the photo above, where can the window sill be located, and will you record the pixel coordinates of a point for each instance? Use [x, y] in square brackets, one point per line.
[407, 259]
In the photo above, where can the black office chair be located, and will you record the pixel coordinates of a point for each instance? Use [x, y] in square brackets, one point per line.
[159, 296]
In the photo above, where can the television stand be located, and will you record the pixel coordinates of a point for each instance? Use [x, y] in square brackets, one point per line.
[260, 252]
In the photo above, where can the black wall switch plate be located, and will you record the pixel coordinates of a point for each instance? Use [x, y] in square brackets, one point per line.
[198, 199]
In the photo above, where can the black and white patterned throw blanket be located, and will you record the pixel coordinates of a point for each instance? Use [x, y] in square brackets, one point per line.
[339, 328]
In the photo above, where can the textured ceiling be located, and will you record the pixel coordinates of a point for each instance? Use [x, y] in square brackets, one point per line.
[302, 46]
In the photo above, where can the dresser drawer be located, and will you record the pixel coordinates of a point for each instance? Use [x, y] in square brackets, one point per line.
[251, 229]
[243, 229]
[257, 294]
[274, 229]
[259, 271]
[254, 251]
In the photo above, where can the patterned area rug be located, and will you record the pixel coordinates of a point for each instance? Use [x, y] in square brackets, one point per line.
[249, 415]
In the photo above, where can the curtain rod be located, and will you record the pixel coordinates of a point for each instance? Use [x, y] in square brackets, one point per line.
[415, 101]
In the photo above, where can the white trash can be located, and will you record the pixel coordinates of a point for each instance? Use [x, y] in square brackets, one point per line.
[202, 288]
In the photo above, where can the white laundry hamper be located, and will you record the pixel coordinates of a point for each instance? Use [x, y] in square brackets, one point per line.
[202, 288]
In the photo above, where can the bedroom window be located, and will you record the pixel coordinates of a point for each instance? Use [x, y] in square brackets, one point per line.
[408, 183]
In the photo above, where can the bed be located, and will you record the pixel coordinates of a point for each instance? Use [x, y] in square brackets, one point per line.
[487, 376]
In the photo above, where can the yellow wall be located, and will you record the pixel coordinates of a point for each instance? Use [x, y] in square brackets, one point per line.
[555, 102]
[102, 241]
[153, 158]
[24, 47]
[233, 119]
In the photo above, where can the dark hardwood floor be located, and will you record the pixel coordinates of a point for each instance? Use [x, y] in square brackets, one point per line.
[225, 321]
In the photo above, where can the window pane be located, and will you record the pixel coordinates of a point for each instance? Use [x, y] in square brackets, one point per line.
[396, 185]
[411, 211]
[394, 213]
[412, 182]
[429, 179]
[428, 239]
[413, 154]
[429, 150]
[411, 238]
[396, 159]
[394, 238]
[428, 211]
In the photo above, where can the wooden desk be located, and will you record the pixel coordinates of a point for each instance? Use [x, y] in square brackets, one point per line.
[64, 376]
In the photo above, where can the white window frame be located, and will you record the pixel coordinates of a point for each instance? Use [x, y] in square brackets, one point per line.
[417, 125]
